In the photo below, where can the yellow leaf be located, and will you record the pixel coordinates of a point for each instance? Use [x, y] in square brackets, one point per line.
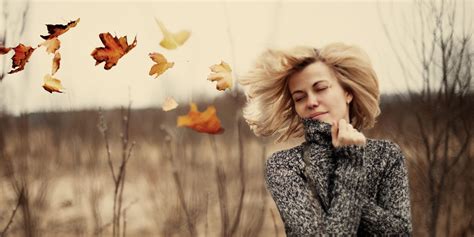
[205, 122]
[51, 45]
[161, 64]
[52, 84]
[222, 74]
[172, 40]
[169, 104]
[56, 63]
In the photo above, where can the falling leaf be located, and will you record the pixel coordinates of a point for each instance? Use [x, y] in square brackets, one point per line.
[114, 49]
[52, 84]
[205, 122]
[58, 29]
[161, 64]
[221, 74]
[51, 45]
[56, 63]
[4, 50]
[169, 104]
[172, 40]
[52, 42]
[20, 58]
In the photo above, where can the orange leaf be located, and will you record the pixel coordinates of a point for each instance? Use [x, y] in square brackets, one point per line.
[4, 50]
[205, 122]
[169, 104]
[20, 58]
[221, 74]
[114, 49]
[52, 42]
[56, 63]
[57, 30]
[161, 64]
[51, 45]
[52, 84]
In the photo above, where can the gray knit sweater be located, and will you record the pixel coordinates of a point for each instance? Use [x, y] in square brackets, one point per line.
[351, 190]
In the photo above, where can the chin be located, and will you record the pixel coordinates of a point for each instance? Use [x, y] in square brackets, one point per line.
[325, 121]
[321, 120]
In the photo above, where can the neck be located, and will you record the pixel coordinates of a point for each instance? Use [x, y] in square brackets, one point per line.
[316, 131]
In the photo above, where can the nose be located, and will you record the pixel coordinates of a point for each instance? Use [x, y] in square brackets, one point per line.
[312, 101]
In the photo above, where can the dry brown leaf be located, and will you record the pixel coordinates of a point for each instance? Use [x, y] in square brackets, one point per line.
[114, 49]
[52, 84]
[222, 73]
[161, 65]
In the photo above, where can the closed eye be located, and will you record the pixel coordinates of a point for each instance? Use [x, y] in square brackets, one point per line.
[321, 88]
[299, 98]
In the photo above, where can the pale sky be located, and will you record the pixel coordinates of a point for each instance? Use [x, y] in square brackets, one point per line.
[232, 31]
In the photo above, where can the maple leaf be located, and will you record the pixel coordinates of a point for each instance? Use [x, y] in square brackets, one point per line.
[58, 29]
[221, 74]
[52, 84]
[172, 40]
[20, 58]
[114, 49]
[161, 64]
[204, 122]
[169, 104]
[56, 63]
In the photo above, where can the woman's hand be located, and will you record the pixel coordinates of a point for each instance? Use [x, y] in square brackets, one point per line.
[343, 134]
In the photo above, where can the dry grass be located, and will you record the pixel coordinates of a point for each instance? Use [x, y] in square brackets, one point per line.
[57, 163]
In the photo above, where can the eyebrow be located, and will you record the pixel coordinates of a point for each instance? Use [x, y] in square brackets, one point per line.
[314, 84]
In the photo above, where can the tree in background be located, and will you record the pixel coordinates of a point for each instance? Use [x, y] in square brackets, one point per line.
[12, 24]
[437, 127]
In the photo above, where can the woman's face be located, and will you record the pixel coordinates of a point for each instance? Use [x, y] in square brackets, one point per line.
[317, 94]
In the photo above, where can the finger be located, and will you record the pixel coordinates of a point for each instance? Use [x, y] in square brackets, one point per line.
[363, 139]
[359, 138]
[342, 125]
[350, 128]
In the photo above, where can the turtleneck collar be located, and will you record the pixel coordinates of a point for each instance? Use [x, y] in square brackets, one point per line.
[317, 131]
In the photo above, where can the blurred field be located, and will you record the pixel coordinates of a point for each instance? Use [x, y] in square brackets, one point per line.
[60, 159]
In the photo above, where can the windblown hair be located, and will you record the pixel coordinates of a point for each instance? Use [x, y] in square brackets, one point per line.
[270, 108]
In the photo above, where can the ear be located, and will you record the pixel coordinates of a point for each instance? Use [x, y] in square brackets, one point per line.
[349, 97]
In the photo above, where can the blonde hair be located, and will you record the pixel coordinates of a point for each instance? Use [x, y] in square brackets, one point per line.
[270, 108]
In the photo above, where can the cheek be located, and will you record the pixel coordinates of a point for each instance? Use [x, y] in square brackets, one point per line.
[337, 107]
[299, 108]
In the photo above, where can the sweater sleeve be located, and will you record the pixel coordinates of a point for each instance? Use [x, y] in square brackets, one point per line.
[302, 215]
[393, 215]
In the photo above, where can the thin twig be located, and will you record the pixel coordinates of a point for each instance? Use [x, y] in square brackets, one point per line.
[104, 130]
[179, 188]
[20, 199]
[221, 181]
[233, 229]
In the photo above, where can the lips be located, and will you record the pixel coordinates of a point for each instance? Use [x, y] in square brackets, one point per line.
[317, 114]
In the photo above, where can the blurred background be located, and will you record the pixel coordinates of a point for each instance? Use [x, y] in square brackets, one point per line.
[104, 159]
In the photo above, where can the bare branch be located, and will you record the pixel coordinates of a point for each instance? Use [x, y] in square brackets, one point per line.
[10, 221]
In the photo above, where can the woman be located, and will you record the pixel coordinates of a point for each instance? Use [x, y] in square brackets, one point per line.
[337, 181]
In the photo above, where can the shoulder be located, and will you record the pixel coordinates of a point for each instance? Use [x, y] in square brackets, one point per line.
[283, 161]
[382, 145]
[385, 151]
